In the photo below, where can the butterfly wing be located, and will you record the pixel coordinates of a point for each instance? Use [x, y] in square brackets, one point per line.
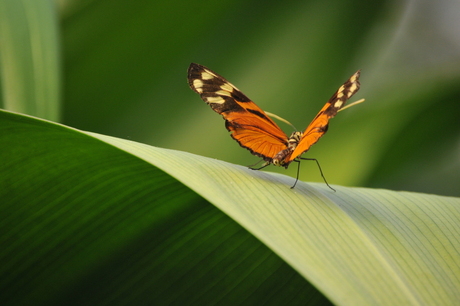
[248, 124]
[318, 127]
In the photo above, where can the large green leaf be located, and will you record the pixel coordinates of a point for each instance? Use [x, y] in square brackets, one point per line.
[115, 221]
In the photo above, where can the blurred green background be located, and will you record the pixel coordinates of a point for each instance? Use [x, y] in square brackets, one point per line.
[123, 64]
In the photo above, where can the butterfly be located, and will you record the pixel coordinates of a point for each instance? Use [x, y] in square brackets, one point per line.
[254, 130]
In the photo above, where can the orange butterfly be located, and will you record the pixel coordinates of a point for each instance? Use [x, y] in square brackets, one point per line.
[253, 129]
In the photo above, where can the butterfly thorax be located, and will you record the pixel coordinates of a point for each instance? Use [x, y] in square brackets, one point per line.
[282, 157]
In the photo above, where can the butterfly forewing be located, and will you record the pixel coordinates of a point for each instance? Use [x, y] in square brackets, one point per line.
[249, 124]
[318, 127]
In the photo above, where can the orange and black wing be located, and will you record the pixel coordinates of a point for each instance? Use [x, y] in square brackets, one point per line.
[248, 124]
[318, 127]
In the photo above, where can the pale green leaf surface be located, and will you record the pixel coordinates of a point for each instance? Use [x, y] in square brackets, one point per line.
[358, 246]
[85, 223]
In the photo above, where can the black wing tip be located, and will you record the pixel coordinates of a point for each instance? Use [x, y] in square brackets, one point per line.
[193, 73]
[193, 68]
[357, 74]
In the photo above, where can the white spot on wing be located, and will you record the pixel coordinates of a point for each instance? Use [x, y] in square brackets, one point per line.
[198, 84]
[353, 88]
[207, 75]
[227, 87]
[218, 100]
[224, 93]
[338, 104]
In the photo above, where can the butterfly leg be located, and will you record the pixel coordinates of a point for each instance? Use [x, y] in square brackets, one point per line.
[298, 171]
[261, 167]
[320, 171]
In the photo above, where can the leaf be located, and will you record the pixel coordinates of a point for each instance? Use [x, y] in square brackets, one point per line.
[358, 246]
[80, 213]
[29, 57]
[83, 222]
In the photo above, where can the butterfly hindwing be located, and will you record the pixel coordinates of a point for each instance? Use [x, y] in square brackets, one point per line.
[248, 123]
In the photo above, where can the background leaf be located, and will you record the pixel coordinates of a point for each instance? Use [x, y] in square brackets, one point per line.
[30, 58]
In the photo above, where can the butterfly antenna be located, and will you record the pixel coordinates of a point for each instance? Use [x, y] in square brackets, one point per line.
[320, 171]
[280, 119]
[352, 104]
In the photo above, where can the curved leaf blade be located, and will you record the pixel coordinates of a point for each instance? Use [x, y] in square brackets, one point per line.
[358, 246]
[82, 222]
